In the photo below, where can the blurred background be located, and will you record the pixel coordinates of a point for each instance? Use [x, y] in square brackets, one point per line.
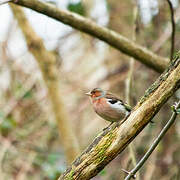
[31, 137]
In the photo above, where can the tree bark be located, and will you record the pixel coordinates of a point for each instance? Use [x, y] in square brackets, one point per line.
[48, 67]
[108, 144]
[114, 39]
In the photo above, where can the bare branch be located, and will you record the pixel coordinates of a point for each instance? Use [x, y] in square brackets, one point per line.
[155, 143]
[112, 38]
[173, 29]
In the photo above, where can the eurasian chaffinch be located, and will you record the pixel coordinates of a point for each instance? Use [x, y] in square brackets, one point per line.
[108, 106]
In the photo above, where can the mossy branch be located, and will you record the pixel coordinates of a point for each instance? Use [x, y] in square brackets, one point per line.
[85, 25]
[113, 141]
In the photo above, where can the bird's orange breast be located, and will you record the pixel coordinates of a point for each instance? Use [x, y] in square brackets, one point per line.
[103, 109]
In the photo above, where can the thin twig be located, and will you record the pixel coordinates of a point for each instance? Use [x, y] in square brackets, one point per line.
[155, 143]
[173, 28]
[166, 34]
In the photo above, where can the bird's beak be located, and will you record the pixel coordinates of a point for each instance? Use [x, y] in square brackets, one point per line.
[88, 93]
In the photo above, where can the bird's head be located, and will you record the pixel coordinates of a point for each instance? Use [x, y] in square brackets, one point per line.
[96, 93]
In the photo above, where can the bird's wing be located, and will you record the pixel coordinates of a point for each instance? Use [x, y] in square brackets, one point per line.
[113, 100]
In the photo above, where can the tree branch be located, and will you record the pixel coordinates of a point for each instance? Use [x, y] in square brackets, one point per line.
[87, 26]
[155, 143]
[108, 144]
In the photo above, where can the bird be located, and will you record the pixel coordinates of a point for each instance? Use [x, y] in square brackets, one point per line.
[108, 106]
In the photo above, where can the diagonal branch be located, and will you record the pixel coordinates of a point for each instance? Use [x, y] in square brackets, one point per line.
[111, 142]
[132, 173]
[112, 38]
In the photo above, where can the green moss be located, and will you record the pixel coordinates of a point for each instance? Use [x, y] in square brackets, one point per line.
[101, 149]
[70, 175]
[149, 91]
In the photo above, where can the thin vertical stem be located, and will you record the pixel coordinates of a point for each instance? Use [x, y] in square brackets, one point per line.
[155, 143]
[173, 29]
[129, 84]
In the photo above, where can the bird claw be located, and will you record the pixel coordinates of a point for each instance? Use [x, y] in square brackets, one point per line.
[108, 126]
[129, 173]
[105, 128]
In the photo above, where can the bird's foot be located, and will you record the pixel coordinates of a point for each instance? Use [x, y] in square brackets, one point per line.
[108, 126]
